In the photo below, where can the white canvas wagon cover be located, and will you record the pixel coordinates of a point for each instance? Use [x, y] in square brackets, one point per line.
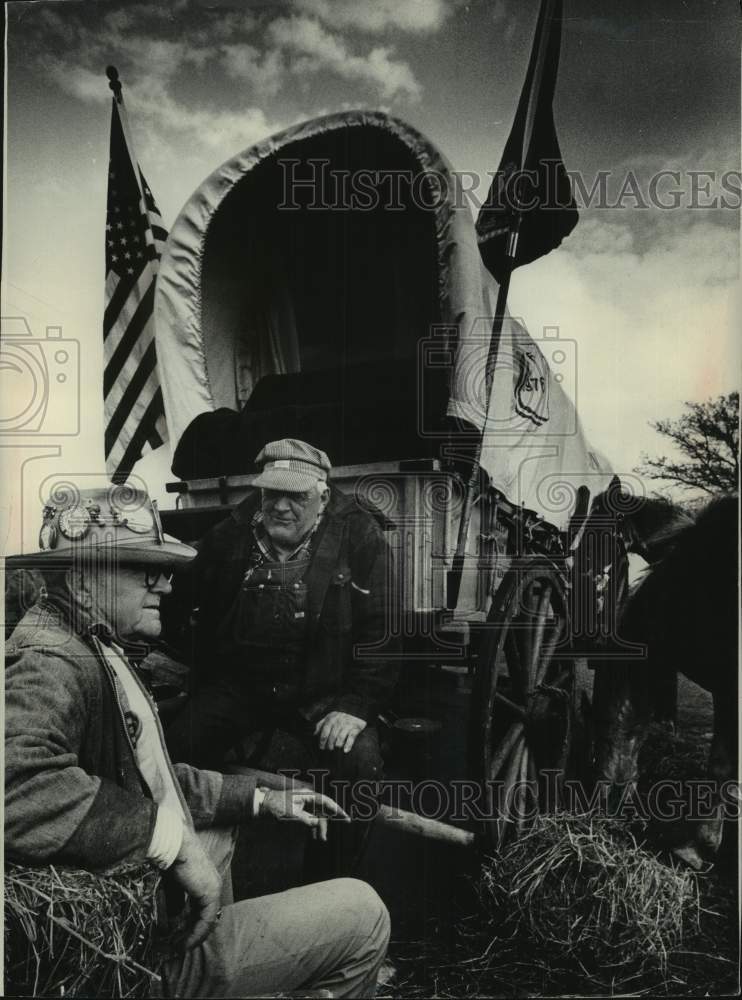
[346, 245]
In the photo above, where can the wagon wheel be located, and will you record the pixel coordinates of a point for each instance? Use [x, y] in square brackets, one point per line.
[526, 687]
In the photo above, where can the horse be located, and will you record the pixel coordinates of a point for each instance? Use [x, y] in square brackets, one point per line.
[684, 614]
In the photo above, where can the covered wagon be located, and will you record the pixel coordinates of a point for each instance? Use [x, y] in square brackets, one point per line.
[326, 284]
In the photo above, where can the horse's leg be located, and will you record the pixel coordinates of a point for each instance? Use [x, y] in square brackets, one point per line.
[622, 711]
[722, 768]
[665, 696]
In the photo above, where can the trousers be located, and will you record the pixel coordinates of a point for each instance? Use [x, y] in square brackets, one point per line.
[330, 936]
[214, 721]
[221, 714]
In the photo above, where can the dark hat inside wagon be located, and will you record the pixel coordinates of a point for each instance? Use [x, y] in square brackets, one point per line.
[117, 521]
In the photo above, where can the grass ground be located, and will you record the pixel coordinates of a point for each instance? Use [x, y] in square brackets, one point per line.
[459, 953]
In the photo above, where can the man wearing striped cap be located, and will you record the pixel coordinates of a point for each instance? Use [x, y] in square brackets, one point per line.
[292, 641]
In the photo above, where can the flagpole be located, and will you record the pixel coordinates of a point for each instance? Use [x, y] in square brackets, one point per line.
[133, 405]
[115, 85]
[545, 17]
[472, 489]
[473, 485]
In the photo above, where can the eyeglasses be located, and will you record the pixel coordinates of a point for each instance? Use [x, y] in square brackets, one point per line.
[151, 577]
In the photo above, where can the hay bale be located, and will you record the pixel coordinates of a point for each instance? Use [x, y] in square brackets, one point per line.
[583, 892]
[70, 932]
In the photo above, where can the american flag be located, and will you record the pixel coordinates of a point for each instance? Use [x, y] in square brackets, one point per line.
[134, 412]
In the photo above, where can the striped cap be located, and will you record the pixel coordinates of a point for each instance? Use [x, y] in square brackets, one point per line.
[291, 465]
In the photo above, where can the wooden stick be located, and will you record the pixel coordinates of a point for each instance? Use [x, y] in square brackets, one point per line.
[421, 826]
[398, 819]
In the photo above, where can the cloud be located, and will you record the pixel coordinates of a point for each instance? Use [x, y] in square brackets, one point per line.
[653, 322]
[151, 66]
[696, 180]
[315, 50]
[232, 130]
[217, 24]
[375, 16]
[149, 98]
[265, 71]
[120, 37]
[504, 19]
[395, 78]
[266, 55]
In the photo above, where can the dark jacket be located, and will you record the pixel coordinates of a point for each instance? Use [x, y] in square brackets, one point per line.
[73, 792]
[350, 662]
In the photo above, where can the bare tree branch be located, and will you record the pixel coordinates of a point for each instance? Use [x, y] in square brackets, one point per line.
[707, 437]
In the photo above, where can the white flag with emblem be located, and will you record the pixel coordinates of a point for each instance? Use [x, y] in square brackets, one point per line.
[534, 448]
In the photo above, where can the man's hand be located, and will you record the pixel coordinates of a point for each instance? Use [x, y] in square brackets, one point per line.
[338, 729]
[302, 806]
[193, 870]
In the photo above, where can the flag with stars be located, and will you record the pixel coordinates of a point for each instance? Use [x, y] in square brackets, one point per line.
[134, 412]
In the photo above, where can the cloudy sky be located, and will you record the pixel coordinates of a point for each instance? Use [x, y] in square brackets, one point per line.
[647, 293]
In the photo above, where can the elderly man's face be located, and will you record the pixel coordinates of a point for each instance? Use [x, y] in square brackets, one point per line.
[289, 517]
[132, 596]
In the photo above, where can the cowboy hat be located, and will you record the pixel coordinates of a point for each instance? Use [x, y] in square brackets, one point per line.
[119, 522]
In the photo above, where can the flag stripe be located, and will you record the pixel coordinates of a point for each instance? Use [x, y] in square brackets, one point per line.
[135, 235]
[116, 302]
[128, 341]
[112, 283]
[128, 311]
[138, 411]
[135, 446]
[131, 395]
[120, 446]
[129, 372]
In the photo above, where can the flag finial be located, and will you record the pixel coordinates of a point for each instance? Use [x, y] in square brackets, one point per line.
[113, 82]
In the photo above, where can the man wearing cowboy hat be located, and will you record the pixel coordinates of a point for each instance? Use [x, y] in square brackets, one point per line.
[293, 595]
[89, 781]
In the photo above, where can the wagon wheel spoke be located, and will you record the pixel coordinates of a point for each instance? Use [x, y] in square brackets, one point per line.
[548, 653]
[536, 603]
[503, 760]
[520, 807]
[528, 700]
[505, 819]
[529, 609]
[515, 661]
[562, 677]
[538, 632]
[532, 772]
[504, 751]
[517, 710]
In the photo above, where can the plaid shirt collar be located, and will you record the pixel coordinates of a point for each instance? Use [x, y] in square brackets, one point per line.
[265, 545]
